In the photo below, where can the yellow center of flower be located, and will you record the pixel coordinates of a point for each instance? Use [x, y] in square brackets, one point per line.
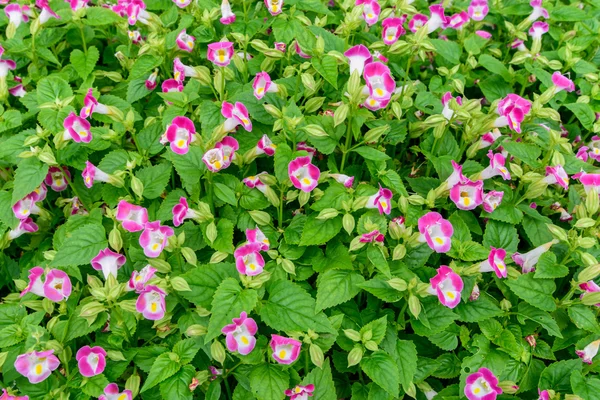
[177, 74]
[155, 246]
[137, 278]
[370, 15]
[38, 369]
[25, 212]
[221, 55]
[476, 390]
[180, 143]
[390, 37]
[379, 92]
[88, 179]
[260, 90]
[297, 389]
[467, 201]
[190, 43]
[282, 354]
[122, 397]
[439, 240]
[451, 295]
[383, 204]
[274, 8]
[252, 266]
[83, 133]
[372, 102]
[153, 307]
[217, 164]
[244, 340]
[500, 266]
[306, 181]
[58, 182]
[565, 180]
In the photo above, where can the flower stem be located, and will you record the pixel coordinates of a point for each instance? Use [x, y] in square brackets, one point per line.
[348, 142]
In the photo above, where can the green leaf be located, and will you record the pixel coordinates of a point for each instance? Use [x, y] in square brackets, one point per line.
[377, 328]
[588, 389]
[536, 230]
[375, 255]
[164, 367]
[317, 231]
[83, 244]
[449, 50]
[501, 235]
[225, 193]
[494, 87]
[10, 119]
[224, 240]
[136, 90]
[337, 286]
[189, 167]
[436, 315]
[537, 292]
[406, 360]
[283, 157]
[186, 349]
[155, 179]
[528, 153]
[527, 311]
[52, 88]
[584, 113]
[228, 302]
[269, 382]
[30, 173]
[95, 385]
[291, 308]
[565, 13]
[143, 66]
[495, 66]
[177, 387]
[84, 63]
[114, 161]
[369, 153]
[97, 16]
[381, 289]
[327, 68]
[323, 381]
[461, 230]
[583, 317]
[474, 311]
[548, 268]
[382, 370]
[204, 281]
[557, 375]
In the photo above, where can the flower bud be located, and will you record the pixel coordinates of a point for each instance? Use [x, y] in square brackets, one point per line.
[356, 244]
[505, 305]
[115, 240]
[588, 259]
[217, 257]
[399, 252]
[217, 351]
[589, 273]
[586, 242]
[355, 356]
[591, 202]
[91, 309]
[398, 284]
[315, 130]
[371, 345]
[414, 305]
[558, 232]
[352, 335]
[260, 217]
[161, 265]
[137, 186]
[303, 198]
[328, 213]
[313, 104]
[316, 355]
[128, 305]
[273, 111]
[180, 284]
[340, 114]
[508, 387]
[133, 384]
[348, 223]
[536, 189]
[585, 223]
[374, 134]
[211, 232]
[196, 330]
[189, 255]
[416, 200]
[288, 266]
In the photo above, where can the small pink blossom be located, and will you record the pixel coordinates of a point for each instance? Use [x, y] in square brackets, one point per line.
[257, 236]
[181, 212]
[589, 352]
[538, 29]
[467, 195]
[303, 174]
[139, 279]
[185, 42]
[527, 261]
[111, 392]
[179, 134]
[58, 178]
[478, 9]
[236, 114]
[150, 82]
[151, 303]
[91, 361]
[25, 226]
[300, 392]
[372, 237]
[36, 366]
[482, 385]
[512, 110]
[392, 30]
[265, 146]
[285, 350]
[275, 7]
[496, 167]
[345, 180]
[262, 85]
[447, 285]
[382, 200]
[491, 200]
[436, 231]
[495, 263]
[239, 336]
[248, 259]
[561, 82]
[154, 238]
[108, 262]
[227, 16]
[77, 129]
[557, 175]
[132, 217]
[220, 53]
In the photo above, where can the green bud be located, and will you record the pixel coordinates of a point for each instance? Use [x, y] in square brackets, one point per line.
[352, 335]
[115, 355]
[211, 232]
[355, 356]
[133, 384]
[589, 273]
[348, 223]
[505, 305]
[316, 355]
[217, 257]
[303, 198]
[273, 111]
[128, 305]
[591, 298]
[288, 266]
[115, 240]
[366, 335]
[591, 202]
[328, 213]
[91, 309]
[416, 200]
[374, 134]
[356, 244]
[584, 223]
[196, 330]
[313, 104]
[3, 357]
[189, 255]
[586, 242]
[217, 351]
[536, 189]
[260, 217]
[315, 130]
[180, 284]
[588, 259]
[309, 82]
[398, 284]
[414, 305]
[371, 345]
[137, 186]
[558, 232]
[399, 252]
[161, 265]
[340, 114]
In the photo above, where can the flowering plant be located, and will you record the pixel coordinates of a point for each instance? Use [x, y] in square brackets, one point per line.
[359, 199]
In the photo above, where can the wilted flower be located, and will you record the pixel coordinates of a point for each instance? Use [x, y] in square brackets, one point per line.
[139, 279]
[265, 146]
[345, 180]
[491, 200]
[371, 237]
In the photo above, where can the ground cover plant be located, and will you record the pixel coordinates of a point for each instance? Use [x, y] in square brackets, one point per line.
[299, 199]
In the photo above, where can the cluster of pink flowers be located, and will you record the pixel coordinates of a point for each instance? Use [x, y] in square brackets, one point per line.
[53, 284]
[248, 259]
[24, 208]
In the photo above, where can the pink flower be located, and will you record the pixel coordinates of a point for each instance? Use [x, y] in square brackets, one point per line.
[528, 261]
[447, 285]
[275, 7]
[132, 217]
[227, 16]
[236, 115]
[303, 174]
[437, 19]
[18, 90]
[214, 159]
[111, 392]
[416, 22]
[538, 29]
[495, 262]
[257, 236]
[58, 178]
[382, 200]
[108, 262]
[77, 128]
[371, 237]
[180, 71]
[220, 53]
[589, 352]
[561, 82]
[265, 146]
[491, 200]
[255, 182]
[92, 174]
[456, 21]
[25, 226]
[26, 206]
[262, 85]
[377, 55]
[179, 134]
[478, 9]
[248, 259]
[36, 366]
[181, 212]
[345, 180]
[544, 395]
[392, 30]
[139, 279]
[484, 34]
[299, 50]
[5, 66]
[489, 138]
[154, 238]
[589, 181]
[538, 11]
[151, 303]
[456, 176]
[300, 392]
[518, 44]
[186, 42]
[582, 153]
[482, 385]
[135, 36]
[171, 85]
[285, 350]
[379, 81]
[557, 175]
[302, 146]
[371, 11]
[77, 4]
[239, 336]
[590, 287]
[6, 396]
[46, 12]
[280, 46]
[512, 110]
[36, 285]
[16, 14]
[447, 112]
[136, 11]
[91, 105]
[182, 3]
[151, 80]
[91, 360]
[358, 56]
[467, 195]
[57, 286]
[436, 231]
[228, 145]
[496, 167]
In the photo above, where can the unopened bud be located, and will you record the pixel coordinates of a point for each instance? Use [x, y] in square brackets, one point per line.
[180, 284]
[189, 255]
[352, 335]
[355, 356]
[196, 330]
[115, 240]
[584, 223]
[211, 232]
[260, 217]
[414, 305]
[316, 355]
[558, 232]
[398, 284]
[217, 351]
[161, 265]
[348, 223]
[328, 213]
[399, 252]
[340, 114]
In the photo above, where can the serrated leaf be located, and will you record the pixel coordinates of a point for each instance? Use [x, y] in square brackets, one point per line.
[30, 173]
[177, 387]
[479, 310]
[327, 68]
[163, 368]
[501, 235]
[318, 231]
[155, 179]
[323, 381]
[382, 370]
[337, 286]
[537, 292]
[84, 63]
[83, 244]
[583, 318]
[527, 311]
[557, 375]
[269, 382]
[225, 194]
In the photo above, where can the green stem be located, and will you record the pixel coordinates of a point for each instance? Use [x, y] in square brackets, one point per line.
[83, 39]
[281, 209]
[222, 87]
[347, 144]
[227, 388]
[210, 192]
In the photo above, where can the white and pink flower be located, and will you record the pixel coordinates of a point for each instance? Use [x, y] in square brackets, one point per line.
[92, 174]
[227, 16]
[467, 195]
[589, 352]
[478, 9]
[239, 336]
[285, 350]
[496, 167]
[512, 110]
[47, 13]
[182, 211]
[436, 232]
[91, 105]
[171, 85]
[77, 129]
[538, 29]
[300, 392]
[214, 159]
[139, 279]
[345, 180]
[538, 11]
[26, 207]
[132, 217]
[557, 175]
[236, 114]
[447, 112]
[392, 30]
[182, 3]
[492, 200]
[248, 259]
[56, 286]
[220, 53]
[528, 261]
[262, 85]
[185, 42]
[372, 237]
[255, 182]
[457, 20]
[495, 263]
[371, 11]
[228, 145]
[37, 366]
[111, 392]
[358, 56]
[5, 396]
[379, 81]
[179, 134]
[108, 262]
[482, 385]
[91, 361]
[150, 82]
[561, 82]
[17, 14]
[265, 146]
[257, 236]
[416, 22]
[25, 226]
[299, 50]
[437, 19]
[382, 200]
[151, 303]
[154, 238]
[447, 285]
[275, 7]
[58, 178]
[303, 174]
